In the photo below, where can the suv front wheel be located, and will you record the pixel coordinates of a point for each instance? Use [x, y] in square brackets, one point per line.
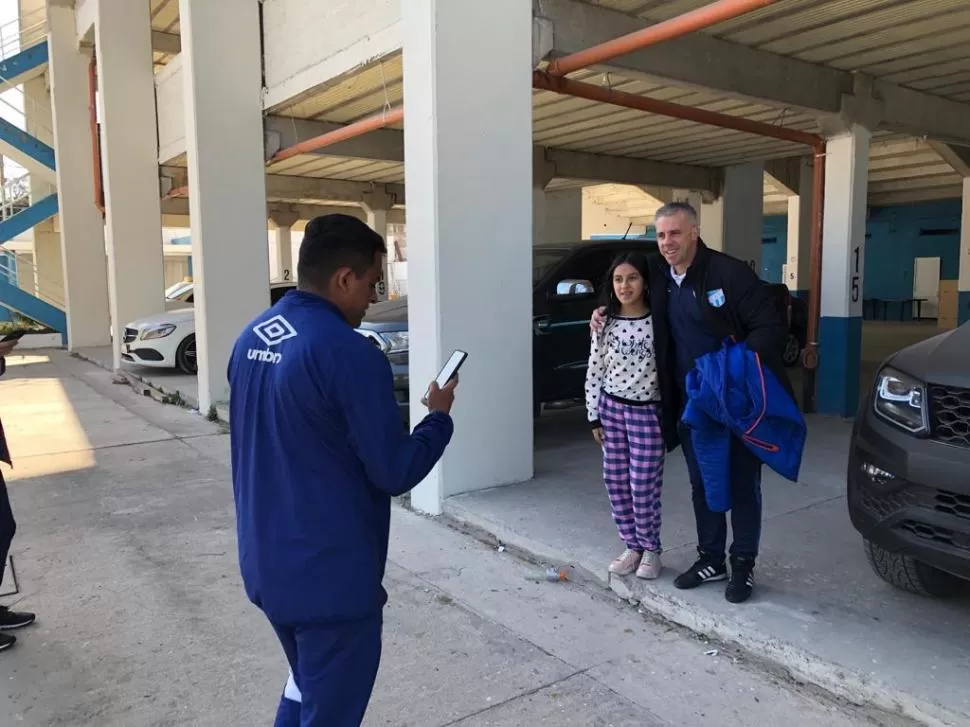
[909, 574]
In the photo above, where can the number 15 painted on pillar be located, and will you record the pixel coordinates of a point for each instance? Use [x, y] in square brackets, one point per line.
[855, 292]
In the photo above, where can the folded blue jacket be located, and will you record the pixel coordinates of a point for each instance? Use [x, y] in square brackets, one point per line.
[729, 392]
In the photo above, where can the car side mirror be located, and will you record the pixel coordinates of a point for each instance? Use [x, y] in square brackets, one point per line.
[572, 288]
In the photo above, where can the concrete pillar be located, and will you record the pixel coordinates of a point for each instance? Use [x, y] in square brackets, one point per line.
[284, 221]
[85, 266]
[800, 215]
[843, 253]
[712, 224]
[963, 286]
[224, 140]
[733, 223]
[557, 216]
[469, 217]
[376, 206]
[47, 243]
[129, 147]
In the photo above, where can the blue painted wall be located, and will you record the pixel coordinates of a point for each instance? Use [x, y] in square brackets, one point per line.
[895, 237]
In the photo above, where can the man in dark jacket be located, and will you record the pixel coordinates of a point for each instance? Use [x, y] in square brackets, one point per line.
[8, 526]
[699, 297]
[318, 450]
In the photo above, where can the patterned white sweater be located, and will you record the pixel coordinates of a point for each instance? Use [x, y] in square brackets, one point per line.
[622, 364]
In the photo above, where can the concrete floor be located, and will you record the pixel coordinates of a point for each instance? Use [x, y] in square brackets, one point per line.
[819, 610]
[126, 550]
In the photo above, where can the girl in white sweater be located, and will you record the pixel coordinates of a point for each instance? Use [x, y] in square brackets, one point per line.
[623, 405]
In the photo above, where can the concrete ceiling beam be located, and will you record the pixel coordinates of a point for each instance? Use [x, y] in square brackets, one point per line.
[163, 42]
[282, 132]
[785, 174]
[958, 157]
[304, 190]
[597, 168]
[388, 145]
[698, 60]
[178, 207]
[708, 63]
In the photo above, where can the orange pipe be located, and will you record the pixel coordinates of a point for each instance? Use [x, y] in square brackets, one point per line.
[95, 137]
[568, 87]
[694, 20]
[810, 354]
[371, 123]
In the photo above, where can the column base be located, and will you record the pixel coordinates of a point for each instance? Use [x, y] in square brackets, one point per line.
[840, 352]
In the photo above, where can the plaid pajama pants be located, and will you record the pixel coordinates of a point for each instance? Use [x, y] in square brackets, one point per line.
[633, 466]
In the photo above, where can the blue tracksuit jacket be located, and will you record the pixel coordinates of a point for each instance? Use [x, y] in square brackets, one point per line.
[731, 392]
[318, 449]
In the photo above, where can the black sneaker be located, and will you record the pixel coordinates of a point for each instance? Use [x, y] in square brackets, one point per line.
[703, 571]
[6, 641]
[15, 619]
[741, 585]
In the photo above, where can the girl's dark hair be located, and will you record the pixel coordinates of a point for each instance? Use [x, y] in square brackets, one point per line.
[639, 261]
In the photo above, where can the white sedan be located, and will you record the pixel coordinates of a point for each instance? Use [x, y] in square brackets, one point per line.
[167, 340]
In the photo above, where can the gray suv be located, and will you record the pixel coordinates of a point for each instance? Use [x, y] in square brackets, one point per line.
[909, 467]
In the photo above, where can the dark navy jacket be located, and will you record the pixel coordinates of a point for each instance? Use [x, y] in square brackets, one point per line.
[733, 302]
[318, 449]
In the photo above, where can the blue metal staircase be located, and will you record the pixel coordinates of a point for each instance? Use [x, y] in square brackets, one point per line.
[27, 150]
[18, 211]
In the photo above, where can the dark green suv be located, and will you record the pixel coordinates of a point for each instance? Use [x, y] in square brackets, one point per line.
[567, 282]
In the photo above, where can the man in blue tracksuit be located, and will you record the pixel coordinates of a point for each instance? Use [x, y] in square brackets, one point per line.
[699, 297]
[318, 450]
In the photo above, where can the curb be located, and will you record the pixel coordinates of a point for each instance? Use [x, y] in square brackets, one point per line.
[860, 689]
[145, 387]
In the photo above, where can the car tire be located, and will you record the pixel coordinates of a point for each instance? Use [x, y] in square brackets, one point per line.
[909, 574]
[185, 360]
[793, 350]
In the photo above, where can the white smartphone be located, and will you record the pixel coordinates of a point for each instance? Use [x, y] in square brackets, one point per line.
[449, 370]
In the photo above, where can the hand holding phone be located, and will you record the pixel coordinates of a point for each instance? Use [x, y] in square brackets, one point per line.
[440, 395]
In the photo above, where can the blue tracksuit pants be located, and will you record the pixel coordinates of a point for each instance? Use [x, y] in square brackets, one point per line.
[333, 666]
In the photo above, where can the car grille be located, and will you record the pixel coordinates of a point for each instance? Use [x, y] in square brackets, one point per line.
[952, 503]
[950, 415]
[936, 534]
[130, 334]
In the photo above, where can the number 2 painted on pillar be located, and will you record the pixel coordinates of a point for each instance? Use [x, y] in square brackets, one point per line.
[286, 274]
[855, 274]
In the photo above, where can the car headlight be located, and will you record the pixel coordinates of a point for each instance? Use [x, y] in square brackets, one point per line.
[396, 341]
[157, 332]
[901, 400]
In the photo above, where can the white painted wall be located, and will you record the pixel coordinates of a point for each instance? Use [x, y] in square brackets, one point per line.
[597, 220]
[308, 43]
[170, 99]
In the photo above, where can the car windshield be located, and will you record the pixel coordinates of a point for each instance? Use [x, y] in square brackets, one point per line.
[544, 259]
[175, 291]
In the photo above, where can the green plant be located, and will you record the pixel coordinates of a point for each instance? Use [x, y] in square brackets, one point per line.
[212, 415]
